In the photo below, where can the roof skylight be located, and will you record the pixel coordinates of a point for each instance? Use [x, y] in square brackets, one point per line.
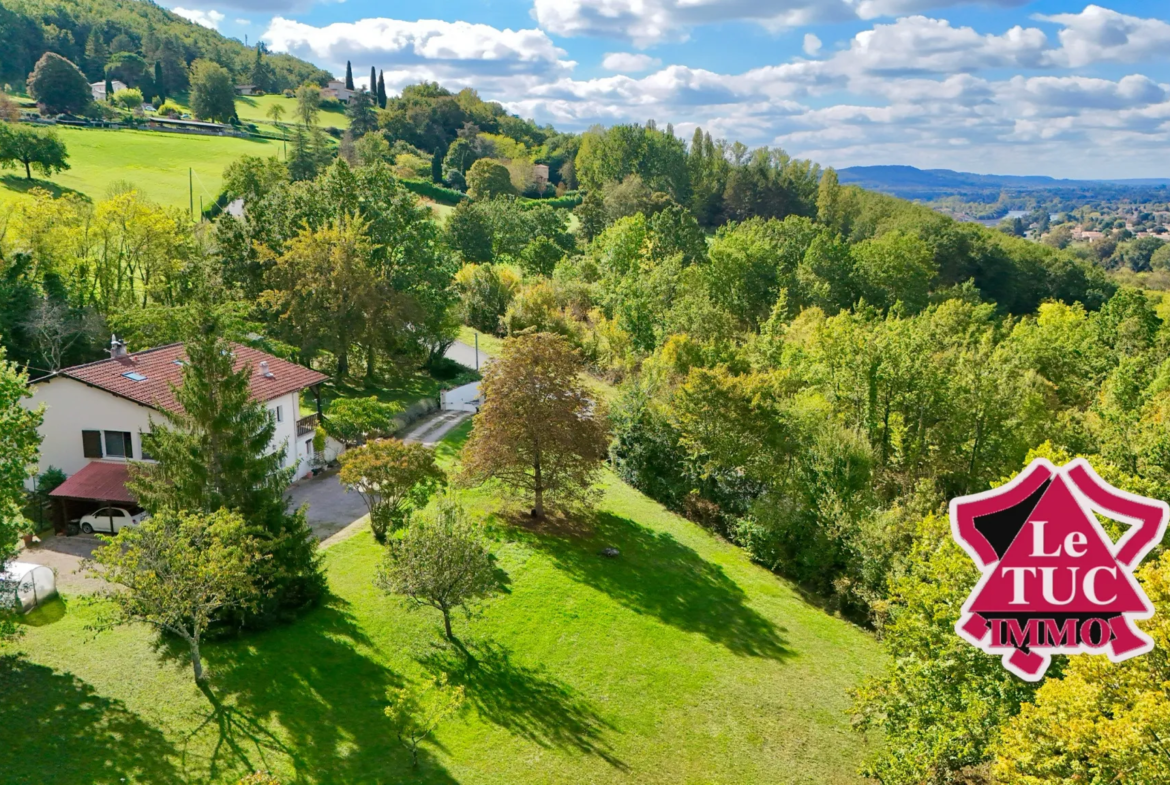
[134, 376]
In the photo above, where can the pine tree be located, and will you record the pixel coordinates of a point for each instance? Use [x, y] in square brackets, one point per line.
[215, 454]
[348, 75]
[382, 90]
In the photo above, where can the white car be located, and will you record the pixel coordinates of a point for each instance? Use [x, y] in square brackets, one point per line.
[108, 520]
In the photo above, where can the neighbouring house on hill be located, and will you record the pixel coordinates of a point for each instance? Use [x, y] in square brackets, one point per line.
[336, 90]
[248, 89]
[99, 89]
[95, 415]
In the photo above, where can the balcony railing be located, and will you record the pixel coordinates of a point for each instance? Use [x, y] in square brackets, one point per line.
[307, 425]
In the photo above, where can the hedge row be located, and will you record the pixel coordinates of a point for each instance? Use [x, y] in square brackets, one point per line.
[435, 192]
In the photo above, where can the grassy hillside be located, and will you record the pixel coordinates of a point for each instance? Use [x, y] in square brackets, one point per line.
[155, 162]
[677, 662]
[254, 109]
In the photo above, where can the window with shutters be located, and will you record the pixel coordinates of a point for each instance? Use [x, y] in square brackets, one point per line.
[91, 444]
[119, 445]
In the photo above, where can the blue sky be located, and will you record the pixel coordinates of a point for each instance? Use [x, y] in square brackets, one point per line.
[1004, 86]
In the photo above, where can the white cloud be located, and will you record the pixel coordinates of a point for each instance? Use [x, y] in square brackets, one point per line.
[917, 44]
[426, 49]
[628, 62]
[206, 18]
[243, 22]
[647, 22]
[812, 45]
[1098, 35]
[872, 9]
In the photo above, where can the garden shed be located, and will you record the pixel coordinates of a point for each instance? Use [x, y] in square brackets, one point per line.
[27, 586]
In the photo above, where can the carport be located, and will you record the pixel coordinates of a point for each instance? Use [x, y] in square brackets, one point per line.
[99, 484]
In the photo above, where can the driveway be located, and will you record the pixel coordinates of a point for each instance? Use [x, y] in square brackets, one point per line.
[465, 355]
[331, 506]
[63, 555]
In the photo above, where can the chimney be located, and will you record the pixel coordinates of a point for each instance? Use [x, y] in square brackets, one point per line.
[264, 371]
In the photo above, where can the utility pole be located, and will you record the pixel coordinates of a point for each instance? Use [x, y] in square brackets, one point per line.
[476, 350]
[191, 191]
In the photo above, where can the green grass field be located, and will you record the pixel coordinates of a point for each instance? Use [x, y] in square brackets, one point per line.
[155, 162]
[254, 109]
[676, 662]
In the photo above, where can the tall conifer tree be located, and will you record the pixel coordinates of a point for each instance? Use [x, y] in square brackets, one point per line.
[215, 454]
[348, 75]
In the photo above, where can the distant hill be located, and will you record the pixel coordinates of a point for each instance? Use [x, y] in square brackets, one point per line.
[88, 32]
[909, 182]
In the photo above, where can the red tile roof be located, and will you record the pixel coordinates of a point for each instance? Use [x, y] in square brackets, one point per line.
[103, 482]
[162, 368]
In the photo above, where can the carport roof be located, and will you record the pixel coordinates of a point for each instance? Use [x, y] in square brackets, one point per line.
[103, 482]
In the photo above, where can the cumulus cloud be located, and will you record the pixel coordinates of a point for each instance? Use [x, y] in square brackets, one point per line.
[917, 44]
[243, 22]
[628, 62]
[647, 22]
[812, 45]
[206, 18]
[1100, 35]
[871, 9]
[428, 48]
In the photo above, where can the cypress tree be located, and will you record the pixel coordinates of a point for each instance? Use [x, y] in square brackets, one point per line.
[373, 83]
[213, 454]
[381, 89]
[348, 75]
[159, 88]
[109, 88]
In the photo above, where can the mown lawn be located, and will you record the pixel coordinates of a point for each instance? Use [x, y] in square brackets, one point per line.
[676, 662]
[154, 162]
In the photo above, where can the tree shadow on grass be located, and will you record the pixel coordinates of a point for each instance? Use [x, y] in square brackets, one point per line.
[54, 728]
[19, 184]
[308, 693]
[657, 575]
[523, 700]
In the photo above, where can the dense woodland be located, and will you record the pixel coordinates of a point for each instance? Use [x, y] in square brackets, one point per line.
[130, 36]
[808, 370]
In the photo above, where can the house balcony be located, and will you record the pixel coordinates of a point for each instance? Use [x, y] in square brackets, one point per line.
[307, 425]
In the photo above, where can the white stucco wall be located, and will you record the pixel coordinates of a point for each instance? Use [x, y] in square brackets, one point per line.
[72, 407]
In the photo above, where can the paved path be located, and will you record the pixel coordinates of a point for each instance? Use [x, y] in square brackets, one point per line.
[430, 431]
[331, 506]
[465, 355]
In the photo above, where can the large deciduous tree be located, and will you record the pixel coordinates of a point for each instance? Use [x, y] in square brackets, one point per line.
[488, 179]
[441, 562]
[216, 453]
[392, 478]
[539, 430]
[213, 93]
[35, 148]
[58, 85]
[325, 289]
[178, 573]
[19, 443]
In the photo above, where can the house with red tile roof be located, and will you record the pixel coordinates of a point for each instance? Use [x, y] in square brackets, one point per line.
[95, 414]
